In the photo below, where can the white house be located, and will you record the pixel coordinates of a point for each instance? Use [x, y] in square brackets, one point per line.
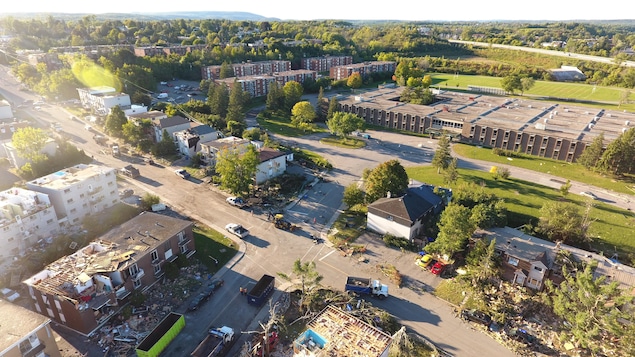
[79, 191]
[26, 218]
[170, 124]
[210, 149]
[405, 216]
[101, 99]
[272, 163]
[189, 141]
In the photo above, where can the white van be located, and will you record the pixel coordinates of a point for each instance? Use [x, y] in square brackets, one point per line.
[162, 95]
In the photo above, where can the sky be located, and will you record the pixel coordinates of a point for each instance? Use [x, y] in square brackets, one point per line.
[408, 10]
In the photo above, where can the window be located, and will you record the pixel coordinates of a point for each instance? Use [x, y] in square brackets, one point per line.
[73, 210]
[133, 270]
[67, 190]
[29, 344]
[70, 200]
[181, 236]
[157, 269]
[81, 195]
[513, 261]
[154, 255]
[537, 268]
[136, 283]
[49, 221]
[167, 246]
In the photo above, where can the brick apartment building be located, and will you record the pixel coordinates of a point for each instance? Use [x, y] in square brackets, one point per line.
[324, 63]
[82, 291]
[246, 69]
[164, 51]
[364, 69]
[258, 86]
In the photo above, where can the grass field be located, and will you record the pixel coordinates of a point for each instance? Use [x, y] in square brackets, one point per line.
[579, 91]
[612, 228]
[282, 125]
[562, 169]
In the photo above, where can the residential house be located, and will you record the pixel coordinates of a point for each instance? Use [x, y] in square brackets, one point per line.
[6, 111]
[171, 124]
[405, 216]
[151, 116]
[334, 332]
[189, 141]
[273, 163]
[25, 333]
[210, 149]
[82, 291]
[78, 191]
[26, 219]
[529, 261]
[101, 99]
[49, 149]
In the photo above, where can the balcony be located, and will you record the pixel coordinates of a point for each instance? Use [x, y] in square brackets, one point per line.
[140, 274]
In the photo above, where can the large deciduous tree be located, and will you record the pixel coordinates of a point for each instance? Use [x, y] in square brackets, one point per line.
[511, 83]
[292, 94]
[389, 176]
[592, 308]
[353, 195]
[455, 227]
[354, 80]
[302, 115]
[29, 142]
[592, 153]
[443, 155]
[561, 221]
[343, 124]
[237, 170]
[115, 121]
[619, 157]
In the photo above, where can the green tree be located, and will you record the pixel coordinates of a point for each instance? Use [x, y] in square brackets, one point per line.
[226, 70]
[302, 115]
[237, 170]
[451, 174]
[236, 109]
[389, 176]
[218, 99]
[443, 155]
[354, 81]
[275, 97]
[455, 227]
[511, 83]
[292, 94]
[353, 195]
[619, 157]
[115, 121]
[483, 263]
[29, 142]
[166, 147]
[591, 308]
[564, 189]
[148, 200]
[343, 124]
[489, 214]
[131, 132]
[592, 153]
[561, 221]
[320, 108]
[309, 278]
[526, 83]
[333, 107]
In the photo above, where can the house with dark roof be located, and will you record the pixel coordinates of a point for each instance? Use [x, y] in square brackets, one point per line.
[82, 291]
[272, 163]
[405, 216]
[189, 141]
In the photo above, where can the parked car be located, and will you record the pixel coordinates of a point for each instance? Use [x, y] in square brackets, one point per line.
[196, 302]
[437, 268]
[588, 194]
[424, 261]
[237, 230]
[476, 316]
[182, 173]
[126, 193]
[148, 161]
[236, 201]
[214, 285]
[10, 295]
[521, 335]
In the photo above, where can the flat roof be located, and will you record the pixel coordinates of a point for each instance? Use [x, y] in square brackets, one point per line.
[70, 176]
[17, 323]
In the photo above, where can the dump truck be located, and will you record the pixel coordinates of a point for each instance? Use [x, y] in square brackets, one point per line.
[161, 336]
[217, 343]
[261, 291]
[366, 286]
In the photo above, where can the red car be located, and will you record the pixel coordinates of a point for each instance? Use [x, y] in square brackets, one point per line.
[437, 268]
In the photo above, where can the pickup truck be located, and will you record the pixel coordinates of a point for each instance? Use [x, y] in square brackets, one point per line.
[216, 343]
[130, 171]
[366, 286]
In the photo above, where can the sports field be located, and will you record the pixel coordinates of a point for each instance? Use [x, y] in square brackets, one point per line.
[579, 91]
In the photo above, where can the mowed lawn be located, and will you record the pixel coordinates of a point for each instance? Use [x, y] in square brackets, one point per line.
[580, 91]
[612, 229]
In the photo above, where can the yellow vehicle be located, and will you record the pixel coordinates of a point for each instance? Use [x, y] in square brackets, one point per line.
[424, 261]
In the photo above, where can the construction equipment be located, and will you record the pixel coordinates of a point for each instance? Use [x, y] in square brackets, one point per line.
[281, 223]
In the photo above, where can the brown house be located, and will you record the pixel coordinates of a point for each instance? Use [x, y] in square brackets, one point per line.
[83, 290]
[25, 333]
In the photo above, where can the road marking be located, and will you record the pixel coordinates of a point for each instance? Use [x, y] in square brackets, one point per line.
[329, 253]
[334, 268]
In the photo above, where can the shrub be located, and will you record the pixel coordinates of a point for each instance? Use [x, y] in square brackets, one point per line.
[398, 242]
